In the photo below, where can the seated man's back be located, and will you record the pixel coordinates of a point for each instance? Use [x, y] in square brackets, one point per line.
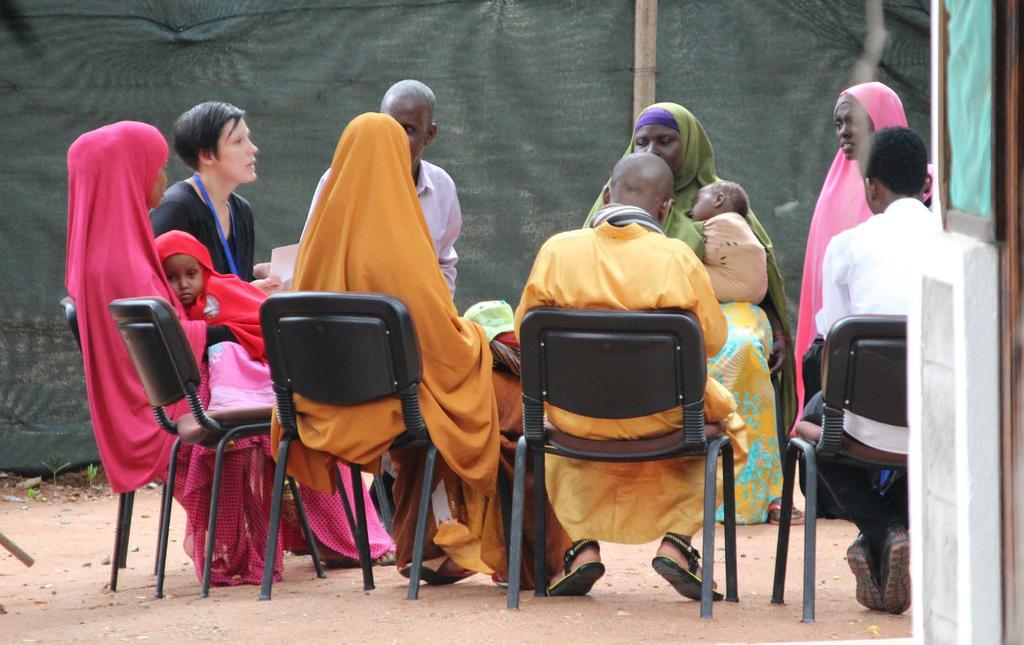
[625, 262]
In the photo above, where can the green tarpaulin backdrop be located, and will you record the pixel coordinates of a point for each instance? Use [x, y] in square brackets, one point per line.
[534, 107]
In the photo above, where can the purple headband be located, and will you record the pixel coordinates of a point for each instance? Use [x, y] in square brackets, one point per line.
[657, 116]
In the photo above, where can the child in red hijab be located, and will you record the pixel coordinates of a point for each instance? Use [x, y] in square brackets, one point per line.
[215, 298]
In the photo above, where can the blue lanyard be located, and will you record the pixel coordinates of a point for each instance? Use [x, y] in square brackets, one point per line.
[220, 230]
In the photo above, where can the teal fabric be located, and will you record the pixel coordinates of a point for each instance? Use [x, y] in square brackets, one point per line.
[969, 105]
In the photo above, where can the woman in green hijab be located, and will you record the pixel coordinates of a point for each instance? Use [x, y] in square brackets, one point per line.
[758, 354]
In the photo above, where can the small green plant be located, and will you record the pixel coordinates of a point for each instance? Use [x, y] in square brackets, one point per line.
[32, 492]
[54, 465]
[92, 471]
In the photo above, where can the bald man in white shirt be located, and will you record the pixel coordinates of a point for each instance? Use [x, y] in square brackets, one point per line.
[412, 104]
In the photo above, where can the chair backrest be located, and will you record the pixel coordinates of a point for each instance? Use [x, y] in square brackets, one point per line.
[159, 349]
[613, 364]
[865, 368]
[340, 348]
[72, 315]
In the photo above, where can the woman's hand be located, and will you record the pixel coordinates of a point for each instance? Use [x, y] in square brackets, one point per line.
[269, 285]
[261, 271]
[777, 358]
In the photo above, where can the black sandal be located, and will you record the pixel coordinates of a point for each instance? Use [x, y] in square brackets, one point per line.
[578, 581]
[685, 580]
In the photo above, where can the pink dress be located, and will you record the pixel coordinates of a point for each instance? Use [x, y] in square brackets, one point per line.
[233, 379]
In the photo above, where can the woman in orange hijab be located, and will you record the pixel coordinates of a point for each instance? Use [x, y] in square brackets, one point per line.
[367, 234]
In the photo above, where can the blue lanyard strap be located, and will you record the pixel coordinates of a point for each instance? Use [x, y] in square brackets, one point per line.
[220, 229]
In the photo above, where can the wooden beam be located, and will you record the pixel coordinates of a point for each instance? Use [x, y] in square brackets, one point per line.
[645, 48]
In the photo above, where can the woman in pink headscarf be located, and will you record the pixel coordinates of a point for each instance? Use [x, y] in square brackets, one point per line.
[859, 111]
[115, 174]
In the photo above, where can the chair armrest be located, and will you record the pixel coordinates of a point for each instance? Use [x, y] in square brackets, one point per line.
[194, 433]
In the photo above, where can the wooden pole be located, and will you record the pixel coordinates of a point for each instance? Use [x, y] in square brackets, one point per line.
[645, 47]
[15, 550]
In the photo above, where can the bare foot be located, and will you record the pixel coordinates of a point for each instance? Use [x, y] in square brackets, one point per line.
[589, 554]
[670, 550]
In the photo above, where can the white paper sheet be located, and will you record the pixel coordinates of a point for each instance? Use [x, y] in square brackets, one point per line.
[282, 263]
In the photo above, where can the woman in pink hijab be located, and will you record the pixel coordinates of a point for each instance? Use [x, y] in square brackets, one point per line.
[115, 174]
[859, 111]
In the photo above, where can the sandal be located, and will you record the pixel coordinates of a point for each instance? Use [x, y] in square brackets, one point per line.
[685, 580]
[578, 581]
[435, 576]
[775, 513]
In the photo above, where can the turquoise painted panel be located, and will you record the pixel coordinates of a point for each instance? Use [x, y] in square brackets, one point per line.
[969, 105]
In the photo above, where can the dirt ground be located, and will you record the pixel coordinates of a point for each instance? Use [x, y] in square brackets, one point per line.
[69, 530]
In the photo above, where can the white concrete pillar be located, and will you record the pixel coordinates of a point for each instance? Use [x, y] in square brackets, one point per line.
[954, 415]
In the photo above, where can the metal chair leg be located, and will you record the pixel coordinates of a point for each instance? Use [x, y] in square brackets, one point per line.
[274, 522]
[540, 501]
[729, 501]
[421, 524]
[708, 563]
[362, 539]
[383, 504]
[211, 527]
[163, 500]
[515, 530]
[307, 531]
[785, 520]
[129, 506]
[115, 561]
[339, 483]
[505, 498]
[810, 529]
[165, 518]
[780, 430]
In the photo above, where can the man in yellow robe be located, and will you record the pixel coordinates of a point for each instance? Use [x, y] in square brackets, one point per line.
[623, 261]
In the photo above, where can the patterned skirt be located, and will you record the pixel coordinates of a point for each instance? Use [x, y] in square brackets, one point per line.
[742, 367]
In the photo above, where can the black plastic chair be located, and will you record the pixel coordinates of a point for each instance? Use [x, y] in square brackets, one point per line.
[125, 501]
[167, 367]
[617, 365]
[346, 349]
[864, 371]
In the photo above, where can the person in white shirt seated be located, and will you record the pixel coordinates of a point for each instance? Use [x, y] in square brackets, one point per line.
[870, 269]
[412, 104]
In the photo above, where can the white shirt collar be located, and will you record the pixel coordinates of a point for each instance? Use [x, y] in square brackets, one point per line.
[425, 182]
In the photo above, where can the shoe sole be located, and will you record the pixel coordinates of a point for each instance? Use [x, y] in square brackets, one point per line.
[432, 577]
[685, 583]
[896, 591]
[868, 593]
[579, 582]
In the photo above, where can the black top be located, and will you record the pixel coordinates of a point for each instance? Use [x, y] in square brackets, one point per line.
[218, 334]
[183, 210]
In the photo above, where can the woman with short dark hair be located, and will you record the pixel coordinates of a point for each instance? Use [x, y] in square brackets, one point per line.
[214, 141]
